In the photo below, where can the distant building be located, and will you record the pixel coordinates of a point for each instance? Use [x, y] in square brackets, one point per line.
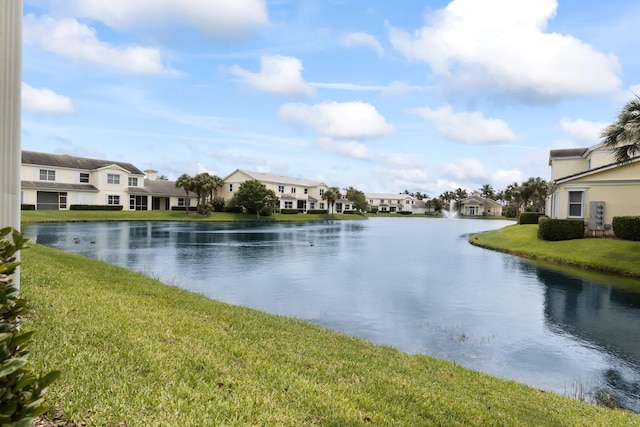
[395, 203]
[56, 181]
[478, 205]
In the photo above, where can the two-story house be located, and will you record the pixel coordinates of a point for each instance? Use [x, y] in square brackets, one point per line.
[394, 203]
[294, 193]
[589, 183]
[56, 181]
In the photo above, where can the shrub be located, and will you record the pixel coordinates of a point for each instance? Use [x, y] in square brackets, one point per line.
[510, 211]
[21, 391]
[317, 211]
[626, 227]
[26, 207]
[352, 212]
[218, 204]
[234, 209]
[560, 229]
[529, 217]
[288, 211]
[95, 207]
[374, 209]
[184, 208]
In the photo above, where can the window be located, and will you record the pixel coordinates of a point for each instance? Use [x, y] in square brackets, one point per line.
[312, 205]
[306, 191]
[183, 201]
[113, 178]
[588, 164]
[370, 201]
[321, 204]
[230, 187]
[288, 205]
[407, 202]
[47, 175]
[321, 192]
[382, 201]
[280, 188]
[138, 203]
[293, 190]
[113, 200]
[575, 204]
[84, 177]
[62, 200]
[133, 181]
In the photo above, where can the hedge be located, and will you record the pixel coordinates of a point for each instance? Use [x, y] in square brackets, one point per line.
[184, 208]
[405, 212]
[96, 207]
[626, 227]
[26, 207]
[352, 212]
[233, 209]
[560, 229]
[529, 217]
[317, 211]
[288, 211]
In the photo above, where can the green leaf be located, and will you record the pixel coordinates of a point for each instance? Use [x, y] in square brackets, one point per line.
[8, 408]
[48, 379]
[12, 365]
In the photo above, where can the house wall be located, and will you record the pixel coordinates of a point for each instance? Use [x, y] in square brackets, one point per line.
[561, 167]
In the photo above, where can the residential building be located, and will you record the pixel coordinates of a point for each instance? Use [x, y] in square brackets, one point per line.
[478, 205]
[591, 186]
[394, 203]
[294, 193]
[55, 182]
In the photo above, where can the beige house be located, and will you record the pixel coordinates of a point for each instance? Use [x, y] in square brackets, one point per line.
[394, 203]
[55, 182]
[478, 205]
[591, 186]
[294, 193]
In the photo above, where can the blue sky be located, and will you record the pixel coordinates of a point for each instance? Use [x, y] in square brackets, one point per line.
[383, 96]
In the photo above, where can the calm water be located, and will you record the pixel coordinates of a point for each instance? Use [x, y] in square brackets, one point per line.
[415, 284]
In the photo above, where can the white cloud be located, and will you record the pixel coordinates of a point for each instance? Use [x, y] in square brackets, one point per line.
[503, 177]
[278, 74]
[350, 148]
[338, 119]
[464, 168]
[363, 39]
[582, 130]
[74, 40]
[215, 18]
[503, 45]
[45, 100]
[469, 127]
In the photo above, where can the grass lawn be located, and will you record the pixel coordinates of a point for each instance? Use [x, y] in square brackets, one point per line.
[615, 256]
[59, 216]
[135, 352]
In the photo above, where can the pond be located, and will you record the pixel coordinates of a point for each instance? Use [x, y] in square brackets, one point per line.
[412, 283]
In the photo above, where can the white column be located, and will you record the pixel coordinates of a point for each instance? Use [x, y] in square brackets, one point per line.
[10, 104]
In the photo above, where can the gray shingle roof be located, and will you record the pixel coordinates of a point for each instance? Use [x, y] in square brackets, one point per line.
[567, 152]
[281, 179]
[158, 187]
[48, 185]
[66, 161]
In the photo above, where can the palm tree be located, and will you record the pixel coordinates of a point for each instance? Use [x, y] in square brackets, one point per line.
[487, 191]
[513, 194]
[331, 195]
[185, 182]
[623, 135]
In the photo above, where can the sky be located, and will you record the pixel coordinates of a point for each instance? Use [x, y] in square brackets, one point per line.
[383, 96]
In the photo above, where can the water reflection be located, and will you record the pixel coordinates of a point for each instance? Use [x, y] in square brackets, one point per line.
[415, 284]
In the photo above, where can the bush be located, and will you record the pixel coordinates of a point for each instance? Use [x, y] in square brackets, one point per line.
[560, 229]
[21, 391]
[317, 211]
[529, 217]
[373, 210]
[26, 207]
[405, 212]
[510, 211]
[234, 209]
[95, 207]
[626, 227]
[218, 204]
[288, 211]
[352, 212]
[184, 208]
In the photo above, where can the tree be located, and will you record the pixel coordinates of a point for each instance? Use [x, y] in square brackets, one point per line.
[255, 197]
[331, 195]
[487, 191]
[185, 182]
[623, 135]
[358, 199]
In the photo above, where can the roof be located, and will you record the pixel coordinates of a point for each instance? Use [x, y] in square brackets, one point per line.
[390, 196]
[479, 200]
[161, 187]
[278, 179]
[567, 152]
[72, 162]
[48, 185]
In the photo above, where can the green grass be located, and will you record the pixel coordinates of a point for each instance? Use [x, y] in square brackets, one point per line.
[60, 216]
[615, 256]
[135, 352]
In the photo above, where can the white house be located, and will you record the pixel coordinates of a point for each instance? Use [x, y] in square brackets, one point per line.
[394, 203]
[55, 182]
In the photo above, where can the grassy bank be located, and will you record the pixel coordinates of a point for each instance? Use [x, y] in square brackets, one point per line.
[135, 352]
[61, 216]
[605, 255]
